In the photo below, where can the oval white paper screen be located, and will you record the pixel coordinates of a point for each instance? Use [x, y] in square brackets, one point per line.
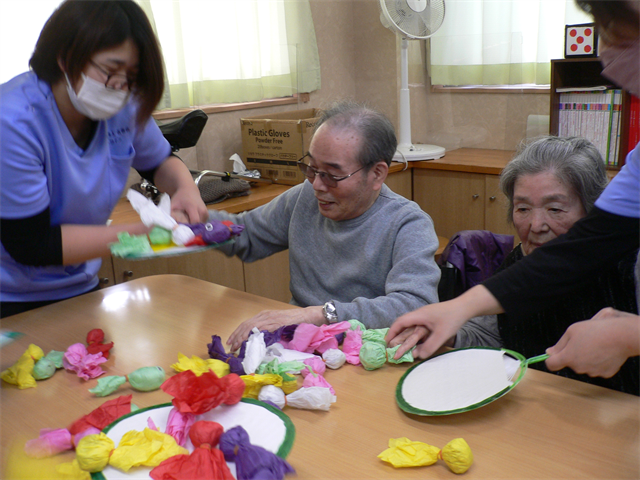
[459, 379]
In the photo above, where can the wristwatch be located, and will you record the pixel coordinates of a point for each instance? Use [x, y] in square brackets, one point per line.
[329, 312]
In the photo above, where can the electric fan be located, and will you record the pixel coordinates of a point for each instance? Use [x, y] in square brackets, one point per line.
[416, 20]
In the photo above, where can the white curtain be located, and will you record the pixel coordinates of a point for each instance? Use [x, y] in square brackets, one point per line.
[225, 51]
[501, 42]
[20, 26]
[215, 51]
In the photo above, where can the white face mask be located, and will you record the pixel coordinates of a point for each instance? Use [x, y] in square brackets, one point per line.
[95, 100]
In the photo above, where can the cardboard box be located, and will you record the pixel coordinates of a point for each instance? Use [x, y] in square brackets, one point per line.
[273, 144]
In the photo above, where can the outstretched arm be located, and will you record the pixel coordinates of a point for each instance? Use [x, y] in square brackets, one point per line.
[437, 323]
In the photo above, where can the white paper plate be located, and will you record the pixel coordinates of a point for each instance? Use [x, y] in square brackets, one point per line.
[460, 380]
[267, 427]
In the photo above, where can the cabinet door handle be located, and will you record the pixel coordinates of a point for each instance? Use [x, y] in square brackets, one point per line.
[104, 281]
[475, 196]
[492, 198]
[128, 274]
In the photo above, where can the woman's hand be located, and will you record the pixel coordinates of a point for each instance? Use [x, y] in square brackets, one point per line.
[437, 323]
[187, 206]
[272, 320]
[597, 347]
[430, 325]
[174, 178]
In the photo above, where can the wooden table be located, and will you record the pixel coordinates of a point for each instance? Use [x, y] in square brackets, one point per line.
[547, 427]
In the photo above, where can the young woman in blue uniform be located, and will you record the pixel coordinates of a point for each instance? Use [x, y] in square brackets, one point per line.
[70, 130]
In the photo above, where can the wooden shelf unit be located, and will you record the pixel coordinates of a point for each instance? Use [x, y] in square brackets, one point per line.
[585, 72]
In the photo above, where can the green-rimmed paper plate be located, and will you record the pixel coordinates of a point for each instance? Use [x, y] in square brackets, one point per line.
[461, 380]
[267, 427]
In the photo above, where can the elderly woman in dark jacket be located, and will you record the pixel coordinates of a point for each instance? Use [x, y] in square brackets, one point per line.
[551, 184]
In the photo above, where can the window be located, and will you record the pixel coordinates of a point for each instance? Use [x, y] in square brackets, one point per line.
[215, 51]
[498, 42]
[227, 51]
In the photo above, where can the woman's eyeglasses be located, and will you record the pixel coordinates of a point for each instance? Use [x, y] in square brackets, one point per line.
[117, 81]
[329, 180]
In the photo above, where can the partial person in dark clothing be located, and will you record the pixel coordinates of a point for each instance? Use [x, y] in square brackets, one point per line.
[608, 234]
[550, 184]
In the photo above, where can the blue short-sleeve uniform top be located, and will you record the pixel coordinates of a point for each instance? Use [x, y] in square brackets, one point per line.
[41, 166]
[622, 195]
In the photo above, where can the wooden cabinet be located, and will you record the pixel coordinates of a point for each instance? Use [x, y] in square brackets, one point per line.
[106, 276]
[582, 73]
[461, 201]
[496, 207]
[461, 191]
[269, 277]
[401, 182]
[208, 265]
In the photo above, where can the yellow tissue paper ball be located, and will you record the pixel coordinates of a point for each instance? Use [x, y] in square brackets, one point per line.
[403, 452]
[92, 452]
[457, 455]
[20, 373]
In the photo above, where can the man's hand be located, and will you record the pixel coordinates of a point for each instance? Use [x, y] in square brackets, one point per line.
[597, 347]
[272, 320]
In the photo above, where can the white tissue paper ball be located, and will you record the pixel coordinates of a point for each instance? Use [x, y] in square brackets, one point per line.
[272, 394]
[334, 358]
[182, 234]
[311, 398]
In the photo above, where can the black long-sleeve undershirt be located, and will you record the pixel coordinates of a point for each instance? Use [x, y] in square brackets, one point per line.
[32, 240]
[562, 265]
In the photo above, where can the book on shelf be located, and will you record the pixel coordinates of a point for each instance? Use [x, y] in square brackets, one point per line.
[595, 114]
[634, 122]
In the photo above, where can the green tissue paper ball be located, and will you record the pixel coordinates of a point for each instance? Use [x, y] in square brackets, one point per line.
[43, 369]
[130, 245]
[160, 236]
[55, 357]
[357, 324]
[47, 365]
[407, 357]
[375, 335]
[146, 379]
[373, 355]
[107, 385]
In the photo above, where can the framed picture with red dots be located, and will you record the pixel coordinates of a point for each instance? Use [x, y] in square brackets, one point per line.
[580, 40]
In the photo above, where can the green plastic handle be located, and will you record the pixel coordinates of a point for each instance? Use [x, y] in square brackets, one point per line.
[539, 358]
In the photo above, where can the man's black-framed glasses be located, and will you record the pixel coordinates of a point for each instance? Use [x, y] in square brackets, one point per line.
[116, 81]
[329, 180]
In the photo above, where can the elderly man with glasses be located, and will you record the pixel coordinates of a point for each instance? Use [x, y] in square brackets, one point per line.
[357, 250]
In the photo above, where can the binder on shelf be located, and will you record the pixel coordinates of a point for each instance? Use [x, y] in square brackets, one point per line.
[634, 123]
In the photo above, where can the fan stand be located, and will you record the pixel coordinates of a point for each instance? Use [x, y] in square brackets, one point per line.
[408, 152]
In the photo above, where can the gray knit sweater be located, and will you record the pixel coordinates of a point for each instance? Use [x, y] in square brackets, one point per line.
[375, 267]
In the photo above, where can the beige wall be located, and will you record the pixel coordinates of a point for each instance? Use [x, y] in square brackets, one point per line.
[360, 61]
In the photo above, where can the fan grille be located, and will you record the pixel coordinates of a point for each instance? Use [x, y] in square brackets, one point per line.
[414, 24]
